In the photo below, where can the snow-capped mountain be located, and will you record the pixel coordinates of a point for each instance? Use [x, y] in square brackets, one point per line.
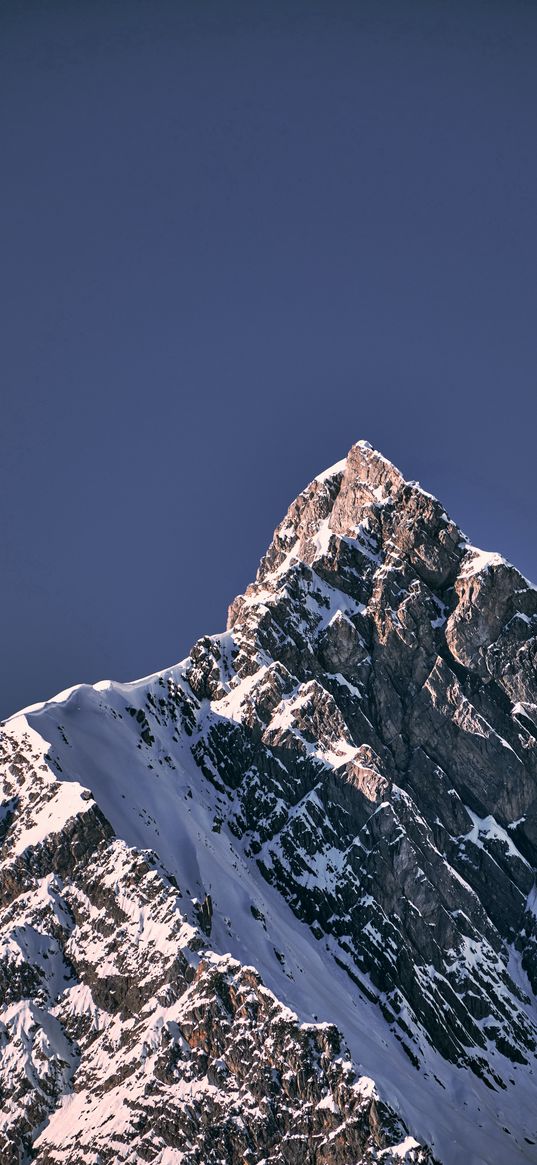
[277, 903]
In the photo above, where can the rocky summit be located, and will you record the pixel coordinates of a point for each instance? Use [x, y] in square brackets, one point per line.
[276, 905]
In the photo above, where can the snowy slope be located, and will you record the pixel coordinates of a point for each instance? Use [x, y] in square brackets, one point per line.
[342, 787]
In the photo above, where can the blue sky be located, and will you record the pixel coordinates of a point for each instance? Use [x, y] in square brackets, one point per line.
[235, 239]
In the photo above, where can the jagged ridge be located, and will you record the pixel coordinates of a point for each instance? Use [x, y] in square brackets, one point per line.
[366, 731]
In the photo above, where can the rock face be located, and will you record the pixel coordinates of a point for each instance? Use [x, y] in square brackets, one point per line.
[340, 790]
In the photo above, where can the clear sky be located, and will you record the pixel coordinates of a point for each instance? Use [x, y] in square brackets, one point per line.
[236, 238]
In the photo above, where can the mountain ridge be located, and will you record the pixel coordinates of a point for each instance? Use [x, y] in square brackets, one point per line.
[351, 767]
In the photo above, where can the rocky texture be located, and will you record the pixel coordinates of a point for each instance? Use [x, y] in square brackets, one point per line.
[140, 1043]
[358, 751]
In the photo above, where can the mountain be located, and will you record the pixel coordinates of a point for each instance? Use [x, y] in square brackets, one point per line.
[277, 904]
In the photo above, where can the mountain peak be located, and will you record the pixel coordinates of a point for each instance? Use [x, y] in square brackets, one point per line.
[340, 792]
[364, 506]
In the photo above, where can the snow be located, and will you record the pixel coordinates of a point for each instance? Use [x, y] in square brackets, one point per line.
[531, 903]
[60, 698]
[170, 1157]
[400, 1150]
[170, 809]
[78, 1000]
[334, 751]
[480, 560]
[365, 543]
[151, 810]
[321, 540]
[332, 471]
[232, 705]
[366, 1087]
[329, 1104]
[66, 802]
[487, 827]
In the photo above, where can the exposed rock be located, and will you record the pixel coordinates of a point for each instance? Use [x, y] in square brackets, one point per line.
[341, 790]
